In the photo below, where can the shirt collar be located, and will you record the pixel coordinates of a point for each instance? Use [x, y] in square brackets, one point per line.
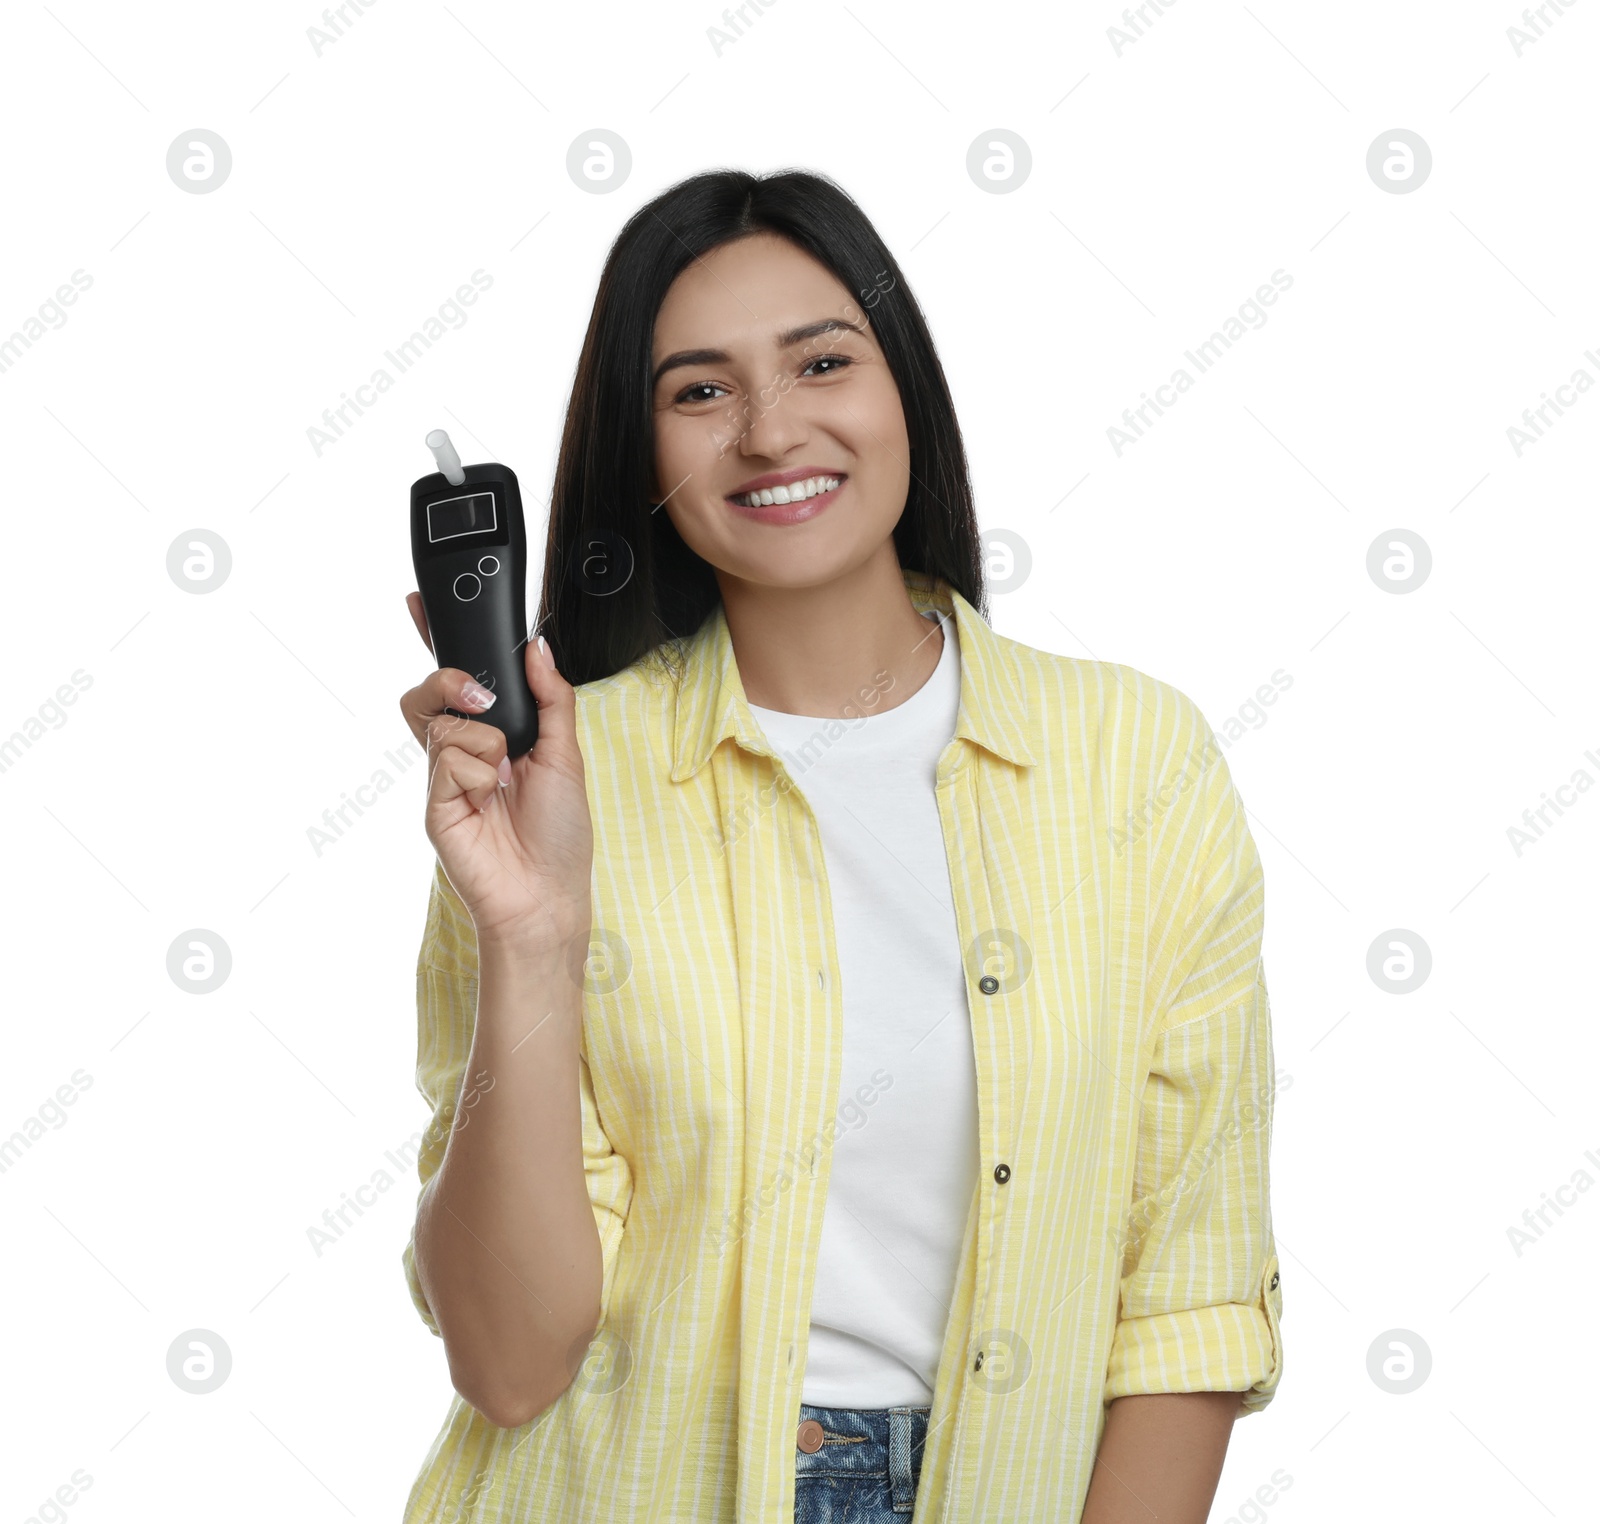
[711, 702]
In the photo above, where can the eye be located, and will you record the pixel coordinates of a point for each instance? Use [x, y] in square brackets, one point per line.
[830, 360]
[686, 395]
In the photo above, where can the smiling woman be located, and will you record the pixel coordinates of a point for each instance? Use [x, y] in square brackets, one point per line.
[858, 1110]
[747, 334]
[817, 401]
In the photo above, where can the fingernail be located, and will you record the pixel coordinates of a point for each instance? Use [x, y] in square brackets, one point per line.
[544, 651]
[505, 772]
[476, 693]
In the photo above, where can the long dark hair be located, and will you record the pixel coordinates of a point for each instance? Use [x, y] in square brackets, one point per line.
[619, 582]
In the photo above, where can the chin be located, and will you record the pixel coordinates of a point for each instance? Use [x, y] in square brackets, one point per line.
[800, 567]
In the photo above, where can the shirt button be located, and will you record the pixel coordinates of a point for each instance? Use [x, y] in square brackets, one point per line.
[1274, 1285]
[809, 1437]
[988, 984]
[1002, 1173]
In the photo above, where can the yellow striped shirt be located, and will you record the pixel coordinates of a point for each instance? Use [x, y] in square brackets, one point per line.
[1119, 1239]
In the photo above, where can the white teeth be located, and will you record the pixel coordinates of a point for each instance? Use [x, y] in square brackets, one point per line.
[795, 492]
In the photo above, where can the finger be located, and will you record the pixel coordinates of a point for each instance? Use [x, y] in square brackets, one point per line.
[444, 688]
[558, 722]
[486, 742]
[459, 774]
[420, 619]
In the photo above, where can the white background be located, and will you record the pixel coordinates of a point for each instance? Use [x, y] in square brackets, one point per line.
[1168, 181]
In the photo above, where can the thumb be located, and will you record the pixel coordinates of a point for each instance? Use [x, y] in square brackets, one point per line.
[556, 699]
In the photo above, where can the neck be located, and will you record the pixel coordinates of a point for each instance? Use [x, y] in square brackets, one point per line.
[849, 646]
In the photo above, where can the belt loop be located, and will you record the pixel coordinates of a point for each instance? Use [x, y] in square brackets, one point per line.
[902, 1486]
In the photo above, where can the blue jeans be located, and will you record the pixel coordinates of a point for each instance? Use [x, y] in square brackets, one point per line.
[858, 1465]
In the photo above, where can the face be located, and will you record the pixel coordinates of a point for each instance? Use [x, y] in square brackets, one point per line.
[767, 367]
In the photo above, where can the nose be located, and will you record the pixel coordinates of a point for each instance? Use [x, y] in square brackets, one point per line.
[773, 425]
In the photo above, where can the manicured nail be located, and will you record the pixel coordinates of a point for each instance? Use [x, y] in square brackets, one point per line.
[544, 651]
[476, 693]
[505, 772]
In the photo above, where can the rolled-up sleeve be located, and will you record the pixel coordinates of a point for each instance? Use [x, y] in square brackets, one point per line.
[1200, 1300]
[447, 1009]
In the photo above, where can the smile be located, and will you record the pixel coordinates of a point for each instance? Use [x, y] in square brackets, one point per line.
[794, 492]
[798, 502]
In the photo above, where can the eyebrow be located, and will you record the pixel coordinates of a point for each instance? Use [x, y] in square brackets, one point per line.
[786, 340]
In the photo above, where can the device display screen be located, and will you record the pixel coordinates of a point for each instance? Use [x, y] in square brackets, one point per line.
[452, 516]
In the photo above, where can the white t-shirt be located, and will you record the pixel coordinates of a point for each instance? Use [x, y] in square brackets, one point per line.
[905, 1168]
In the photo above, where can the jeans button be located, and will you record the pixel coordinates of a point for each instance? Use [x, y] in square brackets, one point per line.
[809, 1437]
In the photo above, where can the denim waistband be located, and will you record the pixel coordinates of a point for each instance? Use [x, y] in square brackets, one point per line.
[882, 1445]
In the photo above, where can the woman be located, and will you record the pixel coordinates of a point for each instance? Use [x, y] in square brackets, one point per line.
[850, 1056]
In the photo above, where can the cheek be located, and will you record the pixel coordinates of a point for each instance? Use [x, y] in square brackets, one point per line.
[673, 443]
[693, 447]
[882, 420]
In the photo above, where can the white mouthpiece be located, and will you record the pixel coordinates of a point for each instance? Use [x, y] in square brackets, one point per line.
[445, 454]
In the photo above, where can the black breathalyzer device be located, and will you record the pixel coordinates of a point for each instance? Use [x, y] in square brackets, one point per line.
[470, 552]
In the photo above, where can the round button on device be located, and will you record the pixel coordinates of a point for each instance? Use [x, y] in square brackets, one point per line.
[467, 587]
[489, 565]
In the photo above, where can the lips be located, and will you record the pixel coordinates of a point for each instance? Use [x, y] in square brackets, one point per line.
[790, 513]
[785, 478]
